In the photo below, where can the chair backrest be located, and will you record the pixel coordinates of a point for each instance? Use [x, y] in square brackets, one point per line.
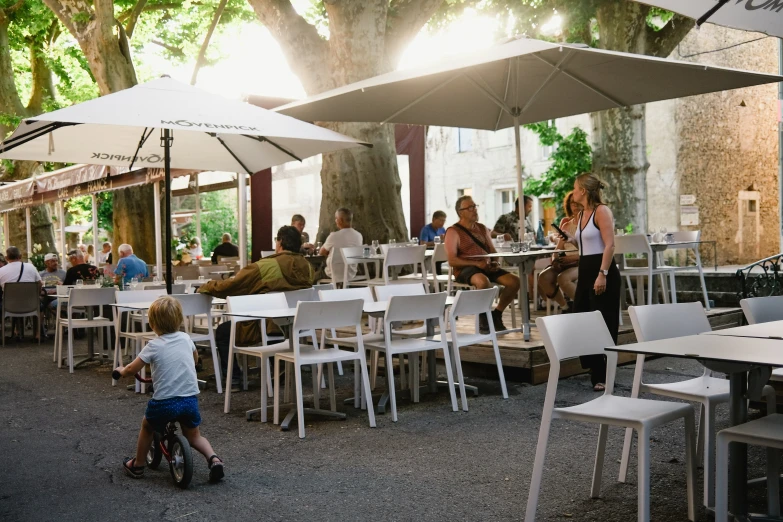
[323, 286]
[195, 304]
[204, 262]
[406, 255]
[175, 288]
[763, 309]
[345, 263]
[186, 272]
[415, 307]
[21, 298]
[138, 296]
[229, 260]
[386, 292]
[63, 291]
[264, 253]
[364, 293]
[305, 294]
[206, 271]
[439, 254]
[473, 302]
[666, 321]
[254, 303]
[568, 336]
[91, 297]
[315, 315]
[632, 244]
[686, 235]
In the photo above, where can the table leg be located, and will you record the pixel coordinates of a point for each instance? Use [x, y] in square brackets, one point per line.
[738, 453]
[523, 303]
[653, 282]
[715, 254]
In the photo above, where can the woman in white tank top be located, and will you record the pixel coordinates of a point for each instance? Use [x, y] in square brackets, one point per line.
[598, 287]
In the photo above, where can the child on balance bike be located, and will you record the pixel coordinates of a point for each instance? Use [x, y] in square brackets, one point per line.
[172, 357]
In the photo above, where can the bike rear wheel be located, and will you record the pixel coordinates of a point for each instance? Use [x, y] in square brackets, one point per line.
[154, 455]
[181, 463]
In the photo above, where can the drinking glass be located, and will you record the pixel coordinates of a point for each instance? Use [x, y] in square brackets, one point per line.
[374, 246]
[80, 282]
[201, 278]
[392, 242]
[525, 246]
[501, 239]
[414, 241]
[179, 279]
[515, 247]
[134, 283]
[156, 280]
[436, 240]
[318, 246]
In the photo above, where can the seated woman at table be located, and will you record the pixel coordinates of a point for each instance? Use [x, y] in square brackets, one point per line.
[195, 248]
[466, 241]
[558, 281]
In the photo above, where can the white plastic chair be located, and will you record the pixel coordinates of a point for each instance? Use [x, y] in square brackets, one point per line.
[82, 298]
[201, 304]
[655, 322]
[264, 253]
[131, 296]
[766, 431]
[638, 244]
[310, 316]
[474, 302]
[349, 260]
[695, 236]
[293, 297]
[764, 310]
[439, 282]
[413, 308]
[22, 300]
[263, 351]
[570, 336]
[453, 285]
[399, 257]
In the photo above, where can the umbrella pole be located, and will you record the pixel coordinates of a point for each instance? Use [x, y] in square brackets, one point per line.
[167, 139]
[29, 234]
[523, 290]
[780, 143]
[158, 231]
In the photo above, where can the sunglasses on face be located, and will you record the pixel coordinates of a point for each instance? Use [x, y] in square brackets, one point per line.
[472, 207]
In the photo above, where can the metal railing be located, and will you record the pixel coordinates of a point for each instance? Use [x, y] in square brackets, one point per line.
[762, 278]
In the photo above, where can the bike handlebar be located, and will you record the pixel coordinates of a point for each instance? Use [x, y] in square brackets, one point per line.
[117, 376]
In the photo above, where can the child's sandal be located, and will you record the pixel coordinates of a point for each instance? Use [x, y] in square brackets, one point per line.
[132, 471]
[215, 469]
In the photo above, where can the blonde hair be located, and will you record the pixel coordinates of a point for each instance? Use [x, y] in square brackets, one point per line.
[569, 198]
[165, 315]
[592, 186]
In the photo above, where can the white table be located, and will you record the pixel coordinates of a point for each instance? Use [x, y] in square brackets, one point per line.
[770, 330]
[733, 355]
[523, 261]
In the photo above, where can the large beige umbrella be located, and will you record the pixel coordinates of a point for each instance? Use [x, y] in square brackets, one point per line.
[523, 81]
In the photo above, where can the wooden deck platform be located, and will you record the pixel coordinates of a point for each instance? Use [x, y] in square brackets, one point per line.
[528, 362]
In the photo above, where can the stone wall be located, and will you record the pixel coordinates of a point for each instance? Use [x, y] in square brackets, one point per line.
[727, 142]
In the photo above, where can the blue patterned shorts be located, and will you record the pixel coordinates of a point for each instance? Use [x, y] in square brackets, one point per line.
[182, 409]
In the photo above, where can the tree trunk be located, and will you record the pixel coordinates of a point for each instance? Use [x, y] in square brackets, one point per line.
[619, 139]
[620, 159]
[366, 181]
[108, 55]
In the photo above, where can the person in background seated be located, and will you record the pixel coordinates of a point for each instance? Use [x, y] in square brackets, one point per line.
[104, 256]
[129, 266]
[195, 248]
[558, 280]
[79, 269]
[467, 238]
[431, 230]
[298, 222]
[225, 249]
[17, 271]
[89, 257]
[345, 236]
[51, 277]
[285, 270]
[508, 224]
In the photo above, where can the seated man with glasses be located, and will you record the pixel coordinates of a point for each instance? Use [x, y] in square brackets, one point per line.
[468, 238]
[286, 270]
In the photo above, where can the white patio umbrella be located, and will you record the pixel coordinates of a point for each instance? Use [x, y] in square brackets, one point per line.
[761, 16]
[197, 130]
[523, 81]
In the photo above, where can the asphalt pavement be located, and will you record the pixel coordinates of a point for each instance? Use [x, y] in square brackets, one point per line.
[64, 437]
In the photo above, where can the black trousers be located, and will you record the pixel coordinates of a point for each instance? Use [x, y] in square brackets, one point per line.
[608, 303]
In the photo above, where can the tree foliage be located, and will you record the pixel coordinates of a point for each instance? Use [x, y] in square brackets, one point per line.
[572, 156]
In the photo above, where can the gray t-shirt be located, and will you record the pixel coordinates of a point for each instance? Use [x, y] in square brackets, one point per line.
[173, 367]
[52, 278]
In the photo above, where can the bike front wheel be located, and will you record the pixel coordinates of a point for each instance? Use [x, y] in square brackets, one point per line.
[181, 463]
[154, 455]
